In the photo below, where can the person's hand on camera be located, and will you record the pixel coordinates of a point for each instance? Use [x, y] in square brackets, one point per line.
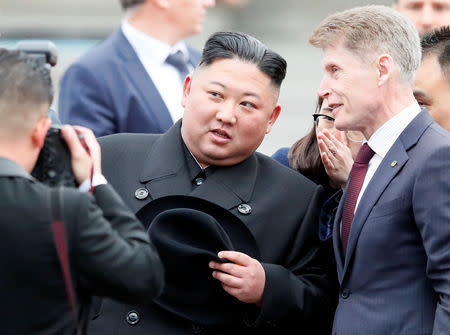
[336, 156]
[82, 160]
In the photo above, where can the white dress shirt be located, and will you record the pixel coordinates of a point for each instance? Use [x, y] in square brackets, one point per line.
[384, 137]
[152, 53]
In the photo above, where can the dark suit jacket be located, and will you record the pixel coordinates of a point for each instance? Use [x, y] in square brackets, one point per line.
[395, 278]
[110, 254]
[283, 220]
[109, 91]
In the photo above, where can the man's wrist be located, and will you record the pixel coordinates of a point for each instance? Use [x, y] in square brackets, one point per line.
[97, 179]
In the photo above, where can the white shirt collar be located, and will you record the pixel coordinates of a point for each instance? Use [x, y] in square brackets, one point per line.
[150, 47]
[384, 137]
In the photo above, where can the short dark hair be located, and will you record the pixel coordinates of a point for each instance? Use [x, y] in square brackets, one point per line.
[130, 3]
[247, 48]
[437, 42]
[25, 85]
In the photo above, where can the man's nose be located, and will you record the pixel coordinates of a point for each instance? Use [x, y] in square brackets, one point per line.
[324, 89]
[227, 113]
[427, 18]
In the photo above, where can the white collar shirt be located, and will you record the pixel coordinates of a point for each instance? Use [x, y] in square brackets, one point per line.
[152, 53]
[383, 139]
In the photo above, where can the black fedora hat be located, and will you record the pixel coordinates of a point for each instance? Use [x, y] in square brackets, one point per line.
[188, 232]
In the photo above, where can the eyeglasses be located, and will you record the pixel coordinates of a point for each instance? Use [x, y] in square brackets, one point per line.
[324, 121]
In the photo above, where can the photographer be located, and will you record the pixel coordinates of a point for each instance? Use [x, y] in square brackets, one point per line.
[108, 250]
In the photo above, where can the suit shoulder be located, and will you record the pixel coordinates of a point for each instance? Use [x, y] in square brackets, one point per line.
[98, 55]
[284, 174]
[123, 145]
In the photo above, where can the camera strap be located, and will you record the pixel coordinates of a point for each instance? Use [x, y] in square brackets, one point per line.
[59, 235]
[86, 147]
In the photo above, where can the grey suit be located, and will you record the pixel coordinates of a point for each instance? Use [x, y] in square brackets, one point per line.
[283, 220]
[109, 253]
[396, 275]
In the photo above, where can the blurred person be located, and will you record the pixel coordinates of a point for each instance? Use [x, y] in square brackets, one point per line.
[325, 156]
[426, 14]
[432, 81]
[392, 229]
[133, 81]
[230, 102]
[99, 228]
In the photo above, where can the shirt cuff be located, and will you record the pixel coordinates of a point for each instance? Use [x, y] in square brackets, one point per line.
[97, 179]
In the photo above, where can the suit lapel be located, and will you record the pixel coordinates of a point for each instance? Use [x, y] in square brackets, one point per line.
[381, 179]
[379, 182]
[163, 170]
[144, 85]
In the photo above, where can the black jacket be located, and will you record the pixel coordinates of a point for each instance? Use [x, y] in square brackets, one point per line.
[110, 254]
[283, 219]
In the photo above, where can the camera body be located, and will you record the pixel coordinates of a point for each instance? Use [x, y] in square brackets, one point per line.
[54, 166]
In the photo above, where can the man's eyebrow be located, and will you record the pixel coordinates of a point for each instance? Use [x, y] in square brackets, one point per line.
[251, 94]
[419, 94]
[218, 83]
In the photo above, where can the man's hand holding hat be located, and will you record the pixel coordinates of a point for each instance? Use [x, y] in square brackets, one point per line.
[243, 277]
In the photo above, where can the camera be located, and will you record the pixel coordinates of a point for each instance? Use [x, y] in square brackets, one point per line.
[53, 166]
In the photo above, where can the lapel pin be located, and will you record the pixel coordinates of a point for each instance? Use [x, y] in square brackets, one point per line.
[244, 209]
[394, 163]
[141, 193]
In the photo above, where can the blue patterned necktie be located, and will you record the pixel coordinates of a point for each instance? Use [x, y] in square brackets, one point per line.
[178, 61]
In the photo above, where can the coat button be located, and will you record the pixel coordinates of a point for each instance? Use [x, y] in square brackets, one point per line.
[198, 181]
[133, 318]
[141, 193]
[345, 293]
[244, 209]
[196, 328]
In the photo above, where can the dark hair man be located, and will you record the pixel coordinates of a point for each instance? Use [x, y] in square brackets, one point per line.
[425, 14]
[133, 81]
[392, 229]
[108, 250]
[230, 103]
[432, 81]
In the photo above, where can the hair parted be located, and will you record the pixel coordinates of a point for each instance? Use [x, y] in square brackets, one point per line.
[130, 3]
[437, 43]
[246, 48]
[372, 30]
[25, 86]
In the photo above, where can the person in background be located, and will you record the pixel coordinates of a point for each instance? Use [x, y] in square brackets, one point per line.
[432, 81]
[391, 231]
[325, 156]
[230, 103]
[108, 250]
[133, 81]
[425, 14]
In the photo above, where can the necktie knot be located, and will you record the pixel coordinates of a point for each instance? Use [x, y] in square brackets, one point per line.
[364, 155]
[178, 61]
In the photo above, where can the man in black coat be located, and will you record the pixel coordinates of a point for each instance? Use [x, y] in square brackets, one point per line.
[108, 251]
[230, 103]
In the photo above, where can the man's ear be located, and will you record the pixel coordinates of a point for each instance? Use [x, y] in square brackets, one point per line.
[384, 65]
[275, 113]
[39, 131]
[186, 89]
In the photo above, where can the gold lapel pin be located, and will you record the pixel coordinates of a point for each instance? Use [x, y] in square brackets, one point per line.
[394, 163]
